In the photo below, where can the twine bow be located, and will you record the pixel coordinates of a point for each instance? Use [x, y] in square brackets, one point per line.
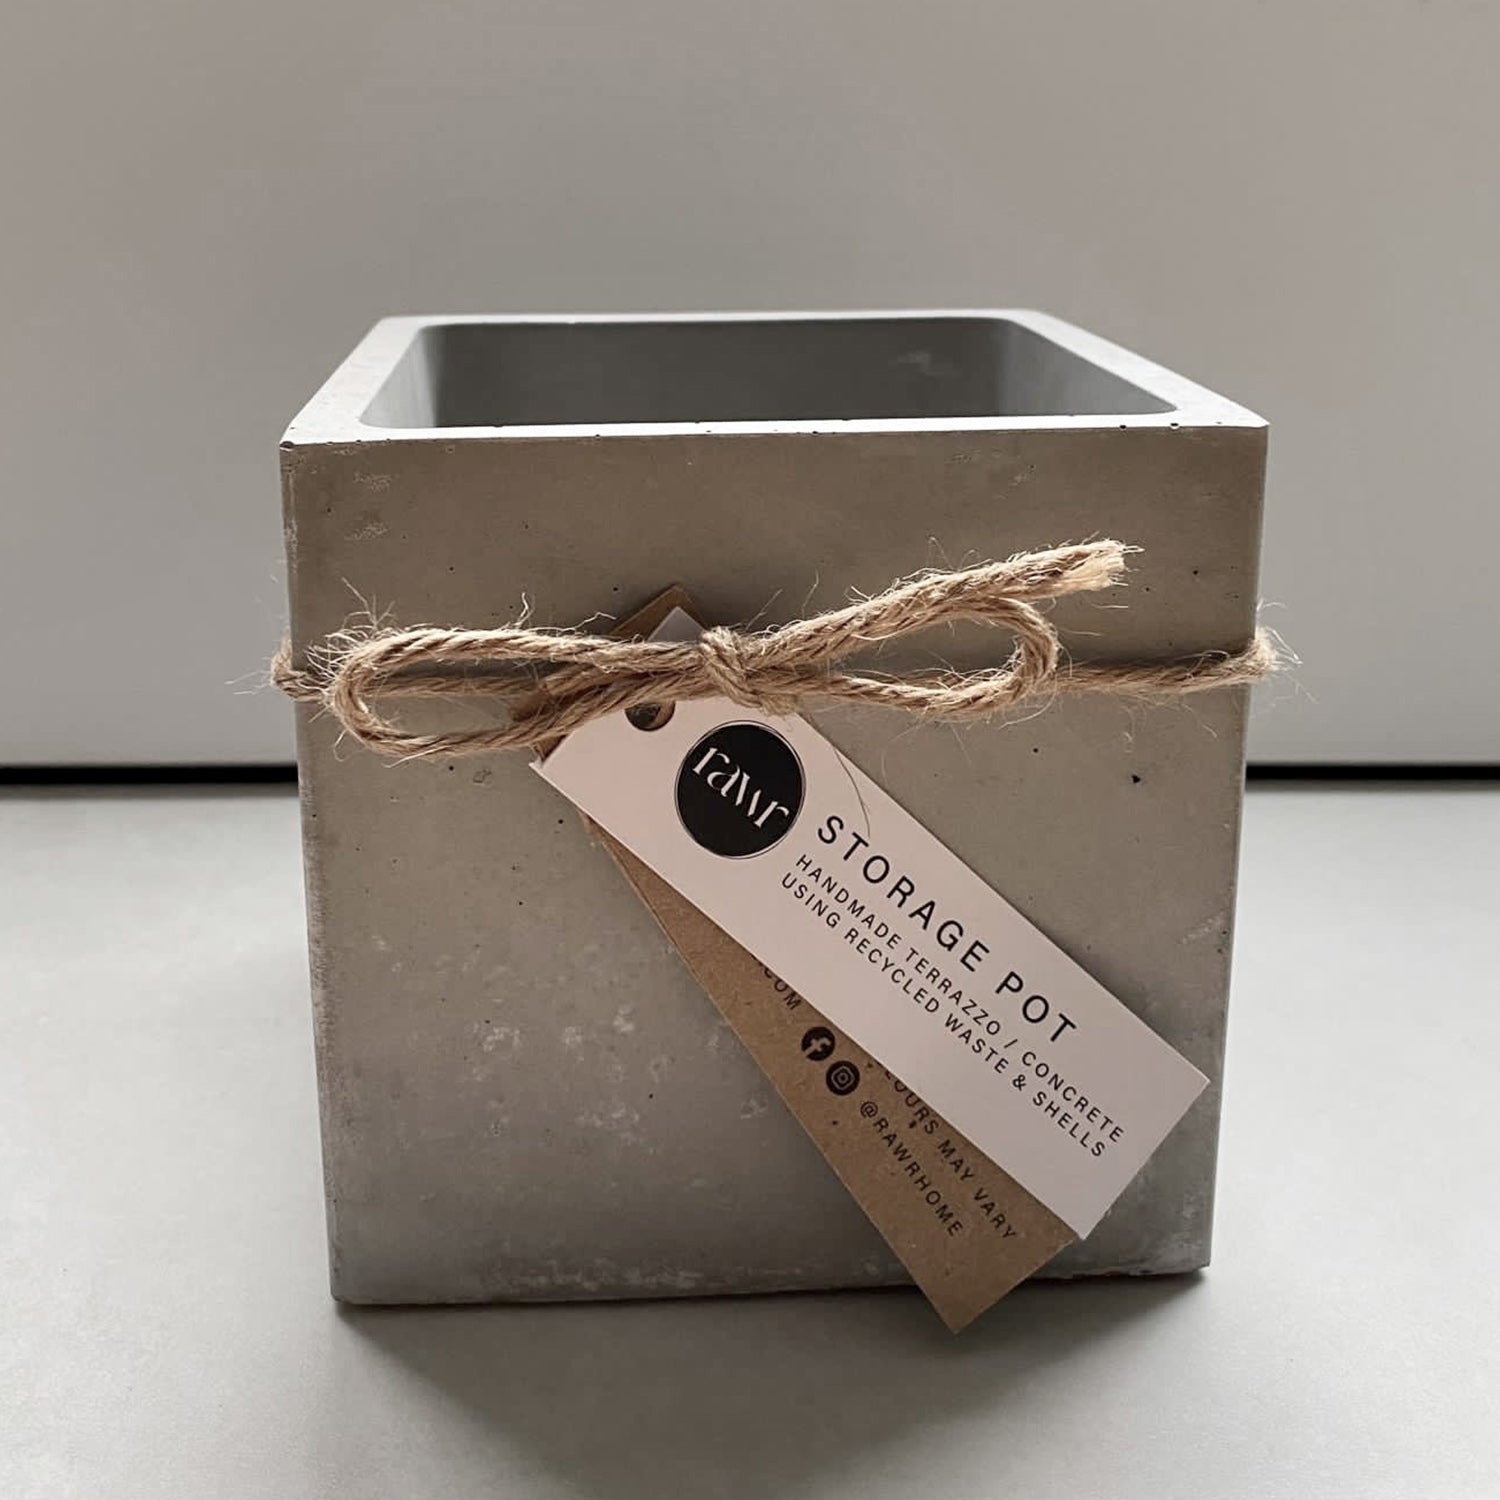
[551, 682]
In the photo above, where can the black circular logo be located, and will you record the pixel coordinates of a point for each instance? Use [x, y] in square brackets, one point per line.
[817, 1044]
[842, 1078]
[739, 790]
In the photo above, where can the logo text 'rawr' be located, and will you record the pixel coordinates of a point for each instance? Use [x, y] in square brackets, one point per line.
[739, 790]
[733, 783]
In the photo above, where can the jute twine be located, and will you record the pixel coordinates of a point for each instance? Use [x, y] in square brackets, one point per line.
[550, 682]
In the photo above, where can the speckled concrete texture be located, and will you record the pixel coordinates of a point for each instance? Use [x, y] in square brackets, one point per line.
[524, 1094]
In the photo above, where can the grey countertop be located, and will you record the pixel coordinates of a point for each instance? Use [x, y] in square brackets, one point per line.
[167, 1330]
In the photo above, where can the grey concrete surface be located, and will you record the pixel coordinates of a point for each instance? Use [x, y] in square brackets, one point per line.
[166, 1330]
[499, 1121]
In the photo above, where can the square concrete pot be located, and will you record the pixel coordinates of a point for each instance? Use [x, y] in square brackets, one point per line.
[524, 1094]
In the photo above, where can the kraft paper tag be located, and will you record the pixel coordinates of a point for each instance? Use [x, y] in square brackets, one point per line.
[965, 1231]
[939, 1034]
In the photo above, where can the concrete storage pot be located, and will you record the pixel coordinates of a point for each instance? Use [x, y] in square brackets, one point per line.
[524, 1094]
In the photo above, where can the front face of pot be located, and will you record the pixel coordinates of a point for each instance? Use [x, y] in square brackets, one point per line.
[524, 1093]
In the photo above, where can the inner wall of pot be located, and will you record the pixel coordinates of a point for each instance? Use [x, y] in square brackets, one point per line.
[770, 370]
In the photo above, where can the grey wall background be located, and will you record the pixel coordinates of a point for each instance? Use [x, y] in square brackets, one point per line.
[1294, 201]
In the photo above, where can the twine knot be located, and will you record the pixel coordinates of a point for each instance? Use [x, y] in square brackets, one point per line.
[551, 682]
[730, 663]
